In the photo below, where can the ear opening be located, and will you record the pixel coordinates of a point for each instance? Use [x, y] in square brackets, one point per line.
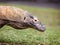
[24, 18]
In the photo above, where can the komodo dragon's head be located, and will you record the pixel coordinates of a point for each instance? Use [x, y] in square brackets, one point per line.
[33, 22]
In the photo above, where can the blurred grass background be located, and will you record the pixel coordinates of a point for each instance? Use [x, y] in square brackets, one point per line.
[49, 16]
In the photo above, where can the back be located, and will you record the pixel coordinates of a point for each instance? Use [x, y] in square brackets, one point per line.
[11, 13]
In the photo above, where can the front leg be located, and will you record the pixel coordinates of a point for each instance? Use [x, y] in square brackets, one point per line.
[2, 23]
[17, 25]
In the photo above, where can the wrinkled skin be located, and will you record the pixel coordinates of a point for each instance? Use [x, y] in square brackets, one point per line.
[25, 21]
[28, 22]
[35, 23]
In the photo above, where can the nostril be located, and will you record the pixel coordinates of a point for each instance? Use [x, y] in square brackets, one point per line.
[43, 26]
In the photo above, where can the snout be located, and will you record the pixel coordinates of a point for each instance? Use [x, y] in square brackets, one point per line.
[40, 27]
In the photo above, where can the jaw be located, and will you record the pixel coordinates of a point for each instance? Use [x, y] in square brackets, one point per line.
[38, 27]
[41, 28]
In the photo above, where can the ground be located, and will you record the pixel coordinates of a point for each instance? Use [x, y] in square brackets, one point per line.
[49, 16]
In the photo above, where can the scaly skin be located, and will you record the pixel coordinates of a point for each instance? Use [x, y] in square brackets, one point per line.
[19, 18]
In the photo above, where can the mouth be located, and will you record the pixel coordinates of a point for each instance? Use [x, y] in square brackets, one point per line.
[38, 27]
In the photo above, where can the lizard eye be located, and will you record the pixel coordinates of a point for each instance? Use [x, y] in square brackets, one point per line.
[35, 20]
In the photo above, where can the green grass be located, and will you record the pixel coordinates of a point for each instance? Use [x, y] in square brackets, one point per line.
[49, 16]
